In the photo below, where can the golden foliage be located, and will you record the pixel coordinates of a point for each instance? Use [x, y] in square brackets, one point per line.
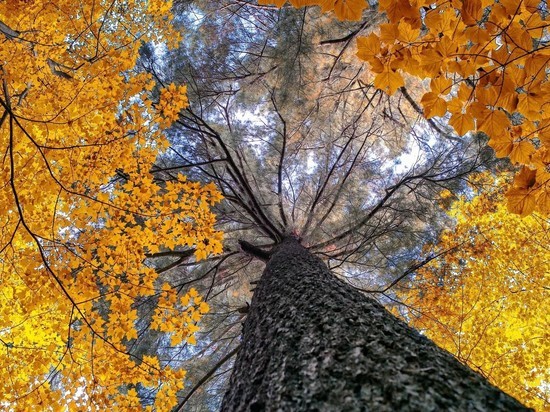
[487, 300]
[494, 59]
[494, 56]
[73, 239]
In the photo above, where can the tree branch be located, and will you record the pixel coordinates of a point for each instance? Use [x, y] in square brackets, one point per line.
[254, 251]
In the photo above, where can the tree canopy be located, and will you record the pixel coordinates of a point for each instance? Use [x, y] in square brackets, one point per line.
[485, 302]
[81, 210]
[135, 133]
[487, 62]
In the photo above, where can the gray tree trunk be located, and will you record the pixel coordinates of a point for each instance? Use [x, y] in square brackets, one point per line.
[312, 343]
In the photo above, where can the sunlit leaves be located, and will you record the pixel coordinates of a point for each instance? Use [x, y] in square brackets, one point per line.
[179, 316]
[172, 99]
[496, 55]
[487, 300]
[81, 211]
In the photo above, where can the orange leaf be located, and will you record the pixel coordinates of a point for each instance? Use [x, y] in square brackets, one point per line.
[471, 11]
[526, 178]
[462, 123]
[406, 33]
[389, 32]
[502, 146]
[388, 81]
[433, 105]
[349, 9]
[521, 152]
[441, 85]
[368, 47]
[520, 201]
[494, 123]
[543, 200]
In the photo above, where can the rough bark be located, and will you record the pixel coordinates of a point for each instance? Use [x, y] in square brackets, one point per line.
[312, 343]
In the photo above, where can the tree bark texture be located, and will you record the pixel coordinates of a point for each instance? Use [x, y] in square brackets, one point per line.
[313, 343]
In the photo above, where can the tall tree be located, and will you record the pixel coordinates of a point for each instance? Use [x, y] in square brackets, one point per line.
[296, 141]
[312, 343]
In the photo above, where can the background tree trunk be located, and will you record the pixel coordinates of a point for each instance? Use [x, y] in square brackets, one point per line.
[312, 343]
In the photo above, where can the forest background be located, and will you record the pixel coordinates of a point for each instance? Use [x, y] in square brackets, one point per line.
[135, 133]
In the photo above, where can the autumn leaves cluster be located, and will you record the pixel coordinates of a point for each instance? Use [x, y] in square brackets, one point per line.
[81, 129]
[488, 65]
[485, 300]
[487, 62]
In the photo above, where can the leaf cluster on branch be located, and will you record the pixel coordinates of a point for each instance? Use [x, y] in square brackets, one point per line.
[82, 211]
[488, 62]
[487, 301]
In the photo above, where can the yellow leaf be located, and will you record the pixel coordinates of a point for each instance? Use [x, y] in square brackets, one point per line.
[389, 32]
[176, 339]
[184, 300]
[397, 9]
[433, 105]
[520, 201]
[204, 308]
[530, 104]
[544, 132]
[388, 81]
[278, 3]
[462, 123]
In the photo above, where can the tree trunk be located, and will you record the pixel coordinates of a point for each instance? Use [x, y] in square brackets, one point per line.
[312, 343]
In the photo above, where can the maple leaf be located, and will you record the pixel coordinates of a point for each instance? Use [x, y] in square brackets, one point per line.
[368, 47]
[462, 123]
[502, 144]
[526, 178]
[520, 201]
[521, 152]
[388, 80]
[441, 85]
[433, 105]
[349, 9]
[471, 11]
